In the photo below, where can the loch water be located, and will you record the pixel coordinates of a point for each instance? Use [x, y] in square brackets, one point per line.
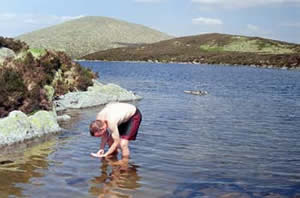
[239, 140]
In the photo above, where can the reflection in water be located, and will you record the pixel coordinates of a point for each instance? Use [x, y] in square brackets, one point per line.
[19, 167]
[116, 179]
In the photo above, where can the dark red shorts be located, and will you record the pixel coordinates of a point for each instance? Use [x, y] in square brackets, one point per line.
[129, 130]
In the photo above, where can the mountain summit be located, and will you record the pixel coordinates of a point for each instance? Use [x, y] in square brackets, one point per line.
[90, 34]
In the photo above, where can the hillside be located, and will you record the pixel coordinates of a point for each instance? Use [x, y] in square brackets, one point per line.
[211, 49]
[91, 34]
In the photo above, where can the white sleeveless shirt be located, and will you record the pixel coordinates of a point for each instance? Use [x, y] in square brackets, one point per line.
[116, 113]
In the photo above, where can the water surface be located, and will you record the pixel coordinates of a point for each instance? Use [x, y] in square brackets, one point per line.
[240, 140]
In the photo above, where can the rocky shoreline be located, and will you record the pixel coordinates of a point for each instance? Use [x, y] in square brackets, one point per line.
[196, 63]
[18, 127]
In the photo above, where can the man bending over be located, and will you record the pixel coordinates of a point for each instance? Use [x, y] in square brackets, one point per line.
[116, 124]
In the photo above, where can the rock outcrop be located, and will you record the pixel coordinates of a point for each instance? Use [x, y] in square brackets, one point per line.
[17, 126]
[196, 92]
[98, 94]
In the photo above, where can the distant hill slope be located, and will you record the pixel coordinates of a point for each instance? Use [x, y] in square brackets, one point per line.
[90, 34]
[209, 48]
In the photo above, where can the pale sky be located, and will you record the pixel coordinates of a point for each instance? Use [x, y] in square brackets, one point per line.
[275, 19]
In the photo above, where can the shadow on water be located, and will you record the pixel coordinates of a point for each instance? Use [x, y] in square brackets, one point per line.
[115, 180]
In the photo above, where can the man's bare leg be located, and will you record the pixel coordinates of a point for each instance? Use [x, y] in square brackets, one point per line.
[125, 149]
[125, 154]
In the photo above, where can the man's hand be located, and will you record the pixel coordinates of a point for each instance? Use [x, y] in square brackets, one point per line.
[100, 153]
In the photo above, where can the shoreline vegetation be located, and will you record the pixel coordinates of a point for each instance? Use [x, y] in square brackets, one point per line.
[35, 84]
[209, 49]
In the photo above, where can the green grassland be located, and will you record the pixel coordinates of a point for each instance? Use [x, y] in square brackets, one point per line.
[246, 44]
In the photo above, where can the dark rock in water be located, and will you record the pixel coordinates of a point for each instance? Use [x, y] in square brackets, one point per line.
[196, 92]
[6, 162]
[75, 181]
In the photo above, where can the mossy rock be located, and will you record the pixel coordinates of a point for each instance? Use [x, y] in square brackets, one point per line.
[14, 122]
[112, 89]
[17, 126]
[44, 122]
[118, 92]
[14, 127]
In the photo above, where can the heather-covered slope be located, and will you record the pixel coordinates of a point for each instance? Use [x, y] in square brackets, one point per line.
[210, 48]
[91, 34]
[31, 78]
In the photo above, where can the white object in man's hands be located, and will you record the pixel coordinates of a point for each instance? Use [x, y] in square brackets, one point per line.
[95, 155]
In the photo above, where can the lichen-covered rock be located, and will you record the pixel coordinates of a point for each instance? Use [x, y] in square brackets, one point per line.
[98, 94]
[76, 100]
[17, 126]
[43, 122]
[14, 127]
[120, 93]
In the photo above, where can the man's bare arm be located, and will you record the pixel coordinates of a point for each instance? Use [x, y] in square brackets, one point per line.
[100, 153]
[116, 138]
[104, 140]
